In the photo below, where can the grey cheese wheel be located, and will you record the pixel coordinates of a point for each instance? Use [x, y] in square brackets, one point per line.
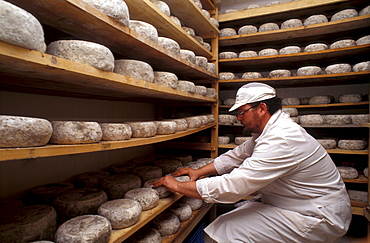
[290, 101]
[309, 70]
[360, 119]
[167, 224]
[211, 67]
[328, 143]
[165, 127]
[166, 79]
[211, 118]
[316, 47]
[134, 69]
[168, 165]
[90, 179]
[361, 66]
[182, 211]
[289, 50]
[181, 124]
[29, 223]
[175, 20]
[207, 46]
[347, 172]
[352, 144]
[18, 131]
[337, 119]
[215, 22]
[147, 197]
[344, 14]
[292, 112]
[162, 191]
[313, 119]
[186, 86]
[147, 172]
[117, 185]
[366, 172]
[223, 139]
[79, 202]
[84, 52]
[145, 235]
[343, 44]
[227, 55]
[226, 75]
[116, 9]
[247, 29]
[85, 228]
[145, 29]
[338, 68]
[206, 13]
[188, 55]
[184, 158]
[115, 131]
[198, 3]
[75, 132]
[280, 73]
[268, 27]
[268, 52]
[251, 75]
[244, 54]
[358, 196]
[350, 98]
[291, 23]
[200, 89]
[364, 11]
[211, 92]
[194, 203]
[320, 100]
[229, 102]
[46, 194]
[193, 122]
[365, 40]
[201, 62]
[169, 44]
[122, 168]
[240, 140]
[189, 30]
[162, 6]
[121, 213]
[227, 32]
[20, 28]
[143, 129]
[226, 119]
[315, 19]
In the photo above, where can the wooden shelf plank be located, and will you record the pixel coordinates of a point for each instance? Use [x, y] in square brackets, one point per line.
[146, 11]
[57, 150]
[55, 73]
[87, 23]
[358, 208]
[316, 106]
[292, 61]
[361, 179]
[298, 32]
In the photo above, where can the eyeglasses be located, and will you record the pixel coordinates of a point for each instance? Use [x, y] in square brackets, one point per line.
[240, 113]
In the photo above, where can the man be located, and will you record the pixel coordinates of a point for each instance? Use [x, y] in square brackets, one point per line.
[302, 196]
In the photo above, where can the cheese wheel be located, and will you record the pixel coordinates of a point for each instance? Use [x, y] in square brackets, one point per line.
[304, 101]
[121, 168]
[343, 44]
[344, 14]
[247, 29]
[362, 66]
[231, 10]
[90, 179]
[115, 131]
[194, 203]
[227, 32]
[18, 131]
[366, 172]
[320, 100]
[186, 86]
[85, 228]
[206, 13]
[211, 67]
[358, 196]
[28, 223]
[84, 52]
[166, 127]
[350, 98]
[206, 161]
[117, 185]
[175, 20]
[229, 102]
[240, 140]
[352, 144]
[211, 118]
[290, 111]
[244, 54]
[113, 8]
[289, 50]
[200, 89]
[291, 23]
[223, 140]
[188, 55]
[181, 124]
[20, 28]
[338, 68]
[189, 30]
[313, 119]
[147, 173]
[167, 224]
[328, 143]
[364, 11]
[79, 202]
[226, 119]
[268, 27]
[215, 22]
[162, 191]
[182, 178]
[144, 29]
[201, 62]
[337, 119]
[143, 129]
[134, 69]
[268, 52]
[195, 165]
[193, 122]
[168, 165]
[347, 172]
[360, 119]
[315, 19]
[280, 73]
[162, 6]
[251, 75]
[147, 160]
[183, 158]
[145, 235]
[46, 194]
[147, 197]
[290, 101]
[227, 55]
[309, 70]
[182, 211]
[316, 47]
[295, 119]
[198, 3]
[226, 75]
[365, 40]
[211, 92]
[166, 79]
[169, 44]
[199, 39]
[252, 6]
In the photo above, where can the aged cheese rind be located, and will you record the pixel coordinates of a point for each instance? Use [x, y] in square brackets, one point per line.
[350, 98]
[289, 50]
[344, 14]
[251, 75]
[292, 112]
[121, 168]
[360, 119]
[117, 185]
[147, 172]
[280, 73]
[84, 52]
[240, 140]
[227, 32]
[316, 47]
[363, 40]
[145, 235]
[328, 143]
[147, 197]
[358, 196]
[46, 194]
[290, 101]
[247, 29]
[162, 6]
[352, 144]
[182, 211]
[75, 132]
[268, 27]
[181, 124]
[188, 55]
[320, 100]
[134, 69]
[201, 62]
[337, 119]
[227, 55]
[91, 179]
[343, 44]
[291, 23]
[361, 66]
[143, 129]
[223, 139]
[244, 54]
[226, 75]
[165, 127]
[17, 131]
[186, 86]
[347, 172]
[115, 131]
[313, 119]
[338, 68]
[145, 29]
[309, 70]
[229, 102]
[211, 92]
[193, 122]
[20, 28]
[162, 191]
[268, 52]
[315, 19]
[226, 119]
[85, 228]
[169, 44]
[166, 223]
[211, 67]
[168, 165]
[194, 203]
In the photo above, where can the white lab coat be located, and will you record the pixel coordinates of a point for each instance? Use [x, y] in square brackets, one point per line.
[303, 196]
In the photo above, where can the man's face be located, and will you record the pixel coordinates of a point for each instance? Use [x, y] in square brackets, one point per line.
[248, 116]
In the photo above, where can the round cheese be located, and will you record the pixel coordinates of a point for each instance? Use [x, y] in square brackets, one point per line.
[365, 40]
[113, 8]
[304, 101]
[198, 3]
[344, 14]
[28, 223]
[200, 89]
[268, 52]
[199, 39]
[215, 22]
[79, 202]
[147, 197]
[211, 92]
[166, 79]
[186, 86]
[117, 185]
[121, 168]
[201, 62]
[316, 47]
[188, 55]
[338, 68]
[115, 131]
[211, 67]
[289, 50]
[358, 196]
[145, 235]
[193, 122]
[206, 13]
[337, 119]
[313, 119]
[292, 112]
[166, 223]
[360, 119]
[290, 101]
[182, 211]
[251, 75]
[147, 173]
[211, 118]
[366, 172]
[85, 228]
[350, 98]
[143, 129]
[365, 11]
[166, 127]
[84, 52]
[182, 178]
[268, 27]
[18, 131]
[181, 124]
[347, 172]
[175, 20]
[352, 144]
[144, 29]
[362, 66]
[320, 100]
[46, 194]
[184, 158]
[229, 102]
[295, 119]
[309, 70]
[19, 27]
[147, 160]
[240, 140]
[226, 75]
[169, 44]
[227, 55]
[162, 191]
[162, 6]
[168, 165]
[247, 29]
[134, 69]
[90, 179]
[226, 119]
[245, 54]
[223, 140]
[189, 30]
[194, 203]
[343, 44]
[291, 23]
[280, 73]
[315, 19]
[227, 32]
[328, 143]
[75, 132]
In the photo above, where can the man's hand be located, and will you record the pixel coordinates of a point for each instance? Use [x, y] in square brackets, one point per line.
[192, 173]
[168, 181]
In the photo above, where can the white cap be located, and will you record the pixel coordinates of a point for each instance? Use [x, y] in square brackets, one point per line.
[253, 92]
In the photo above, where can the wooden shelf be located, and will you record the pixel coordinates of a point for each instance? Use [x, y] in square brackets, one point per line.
[118, 236]
[85, 22]
[302, 81]
[316, 106]
[47, 72]
[57, 150]
[146, 11]
[361, 179]
[293, 61]
[348, 24]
